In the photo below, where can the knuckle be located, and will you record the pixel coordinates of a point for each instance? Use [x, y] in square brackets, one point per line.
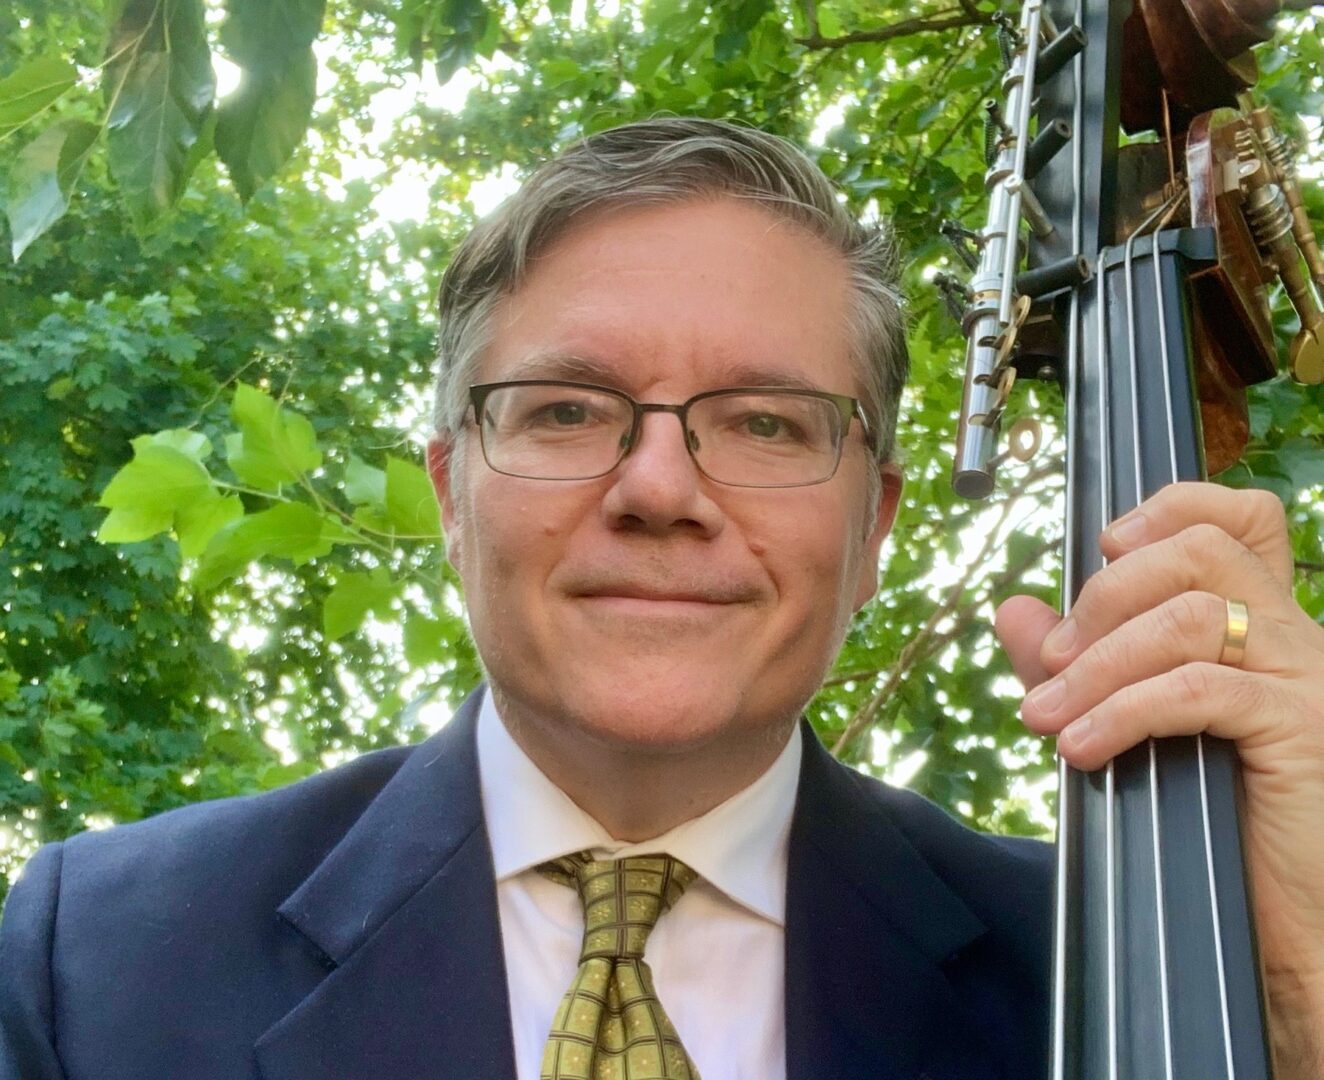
[1192, 683]
[1266, 508]
[1203, 539]
[1187, 614]
[1106, 590]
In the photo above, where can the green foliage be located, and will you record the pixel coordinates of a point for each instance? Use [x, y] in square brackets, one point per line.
[262, 123]
[272, 446]
[159, 88]
[220, 547]
[44, 177]
[32, 89]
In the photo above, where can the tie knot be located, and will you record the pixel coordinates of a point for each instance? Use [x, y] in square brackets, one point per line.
[622, 898]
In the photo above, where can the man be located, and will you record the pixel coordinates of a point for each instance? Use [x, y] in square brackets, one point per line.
[669, 380]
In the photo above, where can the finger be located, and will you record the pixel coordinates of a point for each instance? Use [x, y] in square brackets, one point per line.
[1224, 701]
[1189, 628]
[1201, 557]
[1022, 623]
[1253, 518]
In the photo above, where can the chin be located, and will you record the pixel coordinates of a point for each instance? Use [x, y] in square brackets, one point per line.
[627, 712]
[670, 720]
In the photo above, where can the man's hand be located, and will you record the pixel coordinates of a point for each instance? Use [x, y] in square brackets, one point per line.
[1139, 656]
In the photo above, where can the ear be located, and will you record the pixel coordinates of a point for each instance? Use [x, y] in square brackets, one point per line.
[889, 498]
[441, 449]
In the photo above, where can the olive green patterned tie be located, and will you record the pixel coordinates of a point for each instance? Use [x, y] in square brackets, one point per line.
[610, 1025]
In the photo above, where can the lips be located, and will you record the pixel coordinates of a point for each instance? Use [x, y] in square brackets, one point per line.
[689, 592]
[634, 592]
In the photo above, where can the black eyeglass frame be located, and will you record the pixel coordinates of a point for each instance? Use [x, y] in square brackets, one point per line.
[847, 408]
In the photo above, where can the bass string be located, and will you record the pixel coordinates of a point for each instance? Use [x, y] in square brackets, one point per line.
[1217, 928]
[1160, 302]
[1065, 808]
[1110, 791]
[1140, 493]
[1161, 307]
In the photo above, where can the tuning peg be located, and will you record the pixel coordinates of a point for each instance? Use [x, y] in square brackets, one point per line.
[1272, 225]
[1277, 152]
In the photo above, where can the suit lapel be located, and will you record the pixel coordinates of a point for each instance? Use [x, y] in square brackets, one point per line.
[869, 926]
[404, 912]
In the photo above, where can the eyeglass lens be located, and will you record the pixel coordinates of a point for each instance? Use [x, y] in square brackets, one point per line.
[570, 432]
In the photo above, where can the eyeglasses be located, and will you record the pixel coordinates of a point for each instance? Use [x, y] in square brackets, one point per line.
[765, 437]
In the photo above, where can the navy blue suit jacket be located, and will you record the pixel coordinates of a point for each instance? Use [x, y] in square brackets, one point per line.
[346, 927]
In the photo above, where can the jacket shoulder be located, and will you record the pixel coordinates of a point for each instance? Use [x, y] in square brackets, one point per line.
[109, 917]
[277, 837]
[1003, 879]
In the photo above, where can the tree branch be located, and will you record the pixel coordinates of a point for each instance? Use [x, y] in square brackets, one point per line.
[1309, 567]
[923, 642]
[965, 14]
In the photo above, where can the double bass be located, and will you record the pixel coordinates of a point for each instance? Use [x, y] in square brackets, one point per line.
[1139, 276]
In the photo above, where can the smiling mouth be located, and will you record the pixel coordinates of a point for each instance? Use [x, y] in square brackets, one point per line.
[676, 611]
[646, 596]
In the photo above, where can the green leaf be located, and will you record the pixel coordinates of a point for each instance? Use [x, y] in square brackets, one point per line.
[129, 524]
[273, 445]
[353, 597]
[262, 123]
[290, 530]
[31, 89]
[411, 504]
[192, 444]
[159, 87]
[364, 485]
[144, 495]
[554, 73]
[43, 178]
[829, 23]
[464, 25]
[196, 524]
[1303, 461]
[427, 641]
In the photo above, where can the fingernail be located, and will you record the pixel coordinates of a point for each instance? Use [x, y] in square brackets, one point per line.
[1062, 637]
[1047, 698]
[1077, 734]
[1129, 529]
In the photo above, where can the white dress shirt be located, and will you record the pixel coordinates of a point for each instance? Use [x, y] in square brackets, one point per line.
[717, 957]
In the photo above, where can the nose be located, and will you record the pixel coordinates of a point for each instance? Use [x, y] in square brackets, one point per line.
[657, 487]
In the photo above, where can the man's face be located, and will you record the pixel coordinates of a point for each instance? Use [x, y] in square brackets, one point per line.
[652, 609]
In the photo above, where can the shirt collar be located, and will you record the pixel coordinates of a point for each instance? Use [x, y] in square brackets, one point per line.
[739, 846]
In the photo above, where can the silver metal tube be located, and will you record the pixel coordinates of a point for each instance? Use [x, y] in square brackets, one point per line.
[994, 282]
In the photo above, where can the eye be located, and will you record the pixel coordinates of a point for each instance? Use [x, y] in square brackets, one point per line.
[567, 412]
[766, 426]
[563, 414]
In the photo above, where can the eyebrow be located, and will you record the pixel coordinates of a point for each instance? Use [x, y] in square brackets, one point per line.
[584, 369]
[561, 366]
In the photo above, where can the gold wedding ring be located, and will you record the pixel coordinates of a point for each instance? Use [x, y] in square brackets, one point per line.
[1234, 637]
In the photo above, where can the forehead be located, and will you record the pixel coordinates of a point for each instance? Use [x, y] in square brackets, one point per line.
[707, 293]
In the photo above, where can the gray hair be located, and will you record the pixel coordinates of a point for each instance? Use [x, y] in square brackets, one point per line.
[671, 160]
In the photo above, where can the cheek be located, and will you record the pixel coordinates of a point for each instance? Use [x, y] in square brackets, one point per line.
[510, 542]
[813, 555]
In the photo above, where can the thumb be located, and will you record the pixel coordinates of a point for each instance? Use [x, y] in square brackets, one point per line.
[1022, 623]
